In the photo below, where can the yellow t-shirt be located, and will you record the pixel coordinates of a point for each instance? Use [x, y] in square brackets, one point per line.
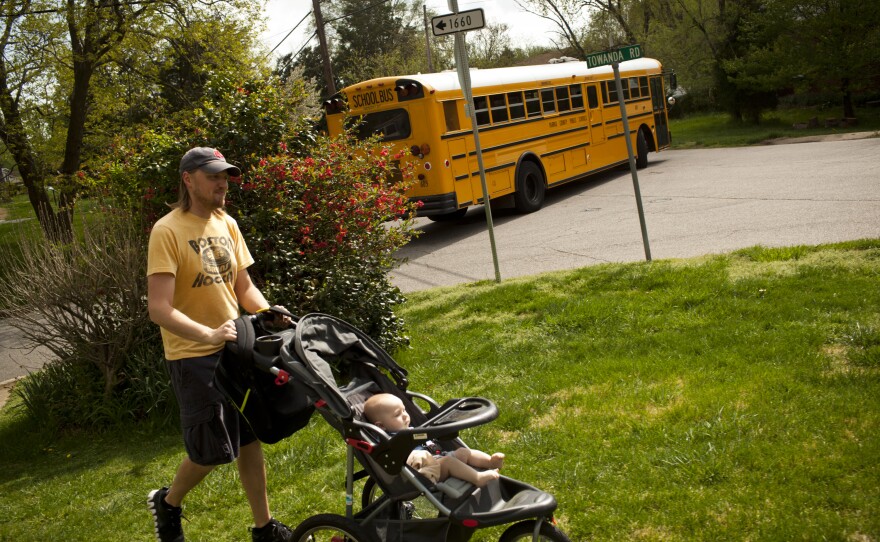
[205, 256]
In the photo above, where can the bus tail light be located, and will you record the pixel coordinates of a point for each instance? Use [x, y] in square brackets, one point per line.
[333, 105]
[406, 89]
[420, 151]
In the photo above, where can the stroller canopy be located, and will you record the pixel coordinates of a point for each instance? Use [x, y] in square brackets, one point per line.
[333, 352]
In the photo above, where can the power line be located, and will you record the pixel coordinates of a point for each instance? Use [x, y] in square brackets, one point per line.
[292, 30]
[344, 16]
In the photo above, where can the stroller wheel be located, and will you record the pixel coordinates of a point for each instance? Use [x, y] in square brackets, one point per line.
[524, 531]
[331, 528]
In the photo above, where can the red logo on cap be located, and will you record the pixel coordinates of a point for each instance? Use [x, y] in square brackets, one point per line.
[218, 155]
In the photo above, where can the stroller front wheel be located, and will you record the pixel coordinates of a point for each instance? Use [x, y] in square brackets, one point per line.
[524, 532]
[331, 528]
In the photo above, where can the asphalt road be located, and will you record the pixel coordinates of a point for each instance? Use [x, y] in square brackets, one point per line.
[696, 202]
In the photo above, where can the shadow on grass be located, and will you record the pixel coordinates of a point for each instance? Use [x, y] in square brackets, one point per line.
[32, 455]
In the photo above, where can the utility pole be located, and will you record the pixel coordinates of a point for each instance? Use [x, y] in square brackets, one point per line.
[325, 54]
[427, 39]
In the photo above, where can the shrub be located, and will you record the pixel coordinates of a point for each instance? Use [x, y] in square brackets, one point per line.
[85, 302]
[243, 119]
[324, 230]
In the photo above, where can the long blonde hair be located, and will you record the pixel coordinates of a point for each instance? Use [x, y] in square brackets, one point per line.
[184, 202]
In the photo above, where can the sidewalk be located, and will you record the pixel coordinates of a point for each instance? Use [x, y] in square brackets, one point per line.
[6, 389]
[16, 360]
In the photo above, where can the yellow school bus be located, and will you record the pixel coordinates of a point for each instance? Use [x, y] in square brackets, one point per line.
[540, 127]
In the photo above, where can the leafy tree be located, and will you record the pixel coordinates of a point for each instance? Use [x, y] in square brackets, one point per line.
[52, 54]
[94, 28]
[245, 118]
[364, 44]
[490, 47]
[366, 35]
[736, 54]
[828, 44]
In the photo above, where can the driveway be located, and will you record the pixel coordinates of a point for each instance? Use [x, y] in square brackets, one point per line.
[699, 201]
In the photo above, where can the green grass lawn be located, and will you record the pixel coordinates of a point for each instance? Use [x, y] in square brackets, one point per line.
[716, 130]
[732, 397]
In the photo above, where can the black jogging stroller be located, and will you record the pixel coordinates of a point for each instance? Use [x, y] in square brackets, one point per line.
[336, 367]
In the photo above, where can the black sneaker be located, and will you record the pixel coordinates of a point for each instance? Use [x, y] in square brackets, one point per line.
[274, 531]
[166, 518]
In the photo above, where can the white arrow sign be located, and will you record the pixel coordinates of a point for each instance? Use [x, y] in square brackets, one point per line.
[463, 21]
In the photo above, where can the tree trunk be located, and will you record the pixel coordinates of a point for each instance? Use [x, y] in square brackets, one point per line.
[12, 133]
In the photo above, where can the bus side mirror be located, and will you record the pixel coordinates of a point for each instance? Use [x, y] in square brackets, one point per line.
[671, 101]
[673, 82]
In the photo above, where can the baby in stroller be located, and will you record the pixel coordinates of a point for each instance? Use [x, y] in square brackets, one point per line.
[388, 412]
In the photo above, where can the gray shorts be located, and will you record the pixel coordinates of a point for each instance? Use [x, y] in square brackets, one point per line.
[213, 429]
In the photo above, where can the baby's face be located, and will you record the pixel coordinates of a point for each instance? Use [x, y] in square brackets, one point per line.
[393, 415]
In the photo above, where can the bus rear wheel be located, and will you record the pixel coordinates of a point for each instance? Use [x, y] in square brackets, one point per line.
[529, 195]
[641, 150]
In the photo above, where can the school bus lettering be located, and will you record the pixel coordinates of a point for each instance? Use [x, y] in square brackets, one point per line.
[373, 98]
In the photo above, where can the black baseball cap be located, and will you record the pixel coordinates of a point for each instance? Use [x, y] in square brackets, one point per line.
[208, 160]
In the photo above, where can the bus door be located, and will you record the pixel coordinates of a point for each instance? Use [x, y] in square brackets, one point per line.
[658, 103]
[597, 119]
[461, 171]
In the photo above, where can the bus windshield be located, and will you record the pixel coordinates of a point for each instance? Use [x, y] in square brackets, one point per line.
[390, 125]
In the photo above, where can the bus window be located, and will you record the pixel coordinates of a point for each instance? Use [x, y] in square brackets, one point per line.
[533, 104]
[643, 87]
[624, 86]
[450, 111]
[548, 101]
[517, 109]
[634, 87]
[592, 97]
[481, 108]
[609, 92]
[577, 96]
[390, 125]
[562, 99]
[499, 108]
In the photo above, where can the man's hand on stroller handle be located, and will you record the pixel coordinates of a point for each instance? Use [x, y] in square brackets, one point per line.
[281, 318]
[225, 333]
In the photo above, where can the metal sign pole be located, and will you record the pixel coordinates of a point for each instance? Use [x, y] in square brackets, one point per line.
[632, 162]
[464, 77]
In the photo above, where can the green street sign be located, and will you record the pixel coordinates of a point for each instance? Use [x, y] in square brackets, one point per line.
[629, 52]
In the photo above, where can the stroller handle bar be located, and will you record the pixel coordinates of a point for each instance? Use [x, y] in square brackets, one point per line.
[447, 421]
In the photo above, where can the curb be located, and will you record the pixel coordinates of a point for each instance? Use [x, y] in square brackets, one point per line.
[847, 136]
[5, 388]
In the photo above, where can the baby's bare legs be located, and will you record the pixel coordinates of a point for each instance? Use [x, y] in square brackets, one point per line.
[450, 465]
[476, 458]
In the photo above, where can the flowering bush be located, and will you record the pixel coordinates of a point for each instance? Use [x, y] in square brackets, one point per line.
[324, 229]
[243, 119]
